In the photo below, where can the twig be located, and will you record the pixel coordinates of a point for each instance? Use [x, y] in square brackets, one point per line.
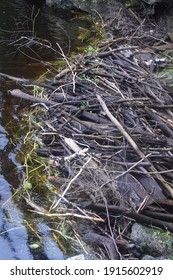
[133, 215]
[65, 71]
[133, 144]
[69, 184]
[60, 215]
[74, 205]
[20, 94]
[71, 67]
[26, 81]
[130, 168]
[120, 127]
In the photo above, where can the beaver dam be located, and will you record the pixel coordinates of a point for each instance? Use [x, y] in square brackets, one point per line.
[106, 128]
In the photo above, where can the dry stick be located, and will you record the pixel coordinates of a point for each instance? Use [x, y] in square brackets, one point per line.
[26, 81]
[161, 216]
[42, 211]
[69, 184]
[71, 67]
[130, 168]
[164, 128]
[60, 215]
[116, 210]
[20, 94]
[65, 71]
[37, 208]
[111, 231]
[133, 144]
[74, 205]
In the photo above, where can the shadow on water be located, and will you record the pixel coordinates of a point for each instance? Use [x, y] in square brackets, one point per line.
[23, 54]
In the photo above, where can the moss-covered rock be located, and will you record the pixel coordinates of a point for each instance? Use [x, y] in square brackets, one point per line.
[152, 241]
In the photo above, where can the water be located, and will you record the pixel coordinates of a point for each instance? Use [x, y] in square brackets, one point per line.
[25, 52]
[26, 32]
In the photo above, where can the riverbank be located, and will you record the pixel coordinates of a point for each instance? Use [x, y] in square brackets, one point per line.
[107, 130]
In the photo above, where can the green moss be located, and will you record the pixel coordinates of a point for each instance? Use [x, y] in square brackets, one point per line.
[132, 3]
[167, 76]
[164, 239]
[84, 34]
[22, 134]
[89, 34]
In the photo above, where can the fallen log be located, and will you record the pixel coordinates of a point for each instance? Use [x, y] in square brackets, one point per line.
[20, 94]
[117, 210]
[26, 81]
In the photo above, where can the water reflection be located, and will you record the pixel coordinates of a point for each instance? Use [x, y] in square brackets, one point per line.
[14, 236]
[26, 32]
[3, 136]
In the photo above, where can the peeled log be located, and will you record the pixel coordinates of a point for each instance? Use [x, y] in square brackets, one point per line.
[20, 94]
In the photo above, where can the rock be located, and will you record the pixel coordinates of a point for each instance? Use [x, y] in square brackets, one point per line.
[151, 241]
[77, 257]
[61, 4]
[148, 257]
[103, 7]
[148, 6]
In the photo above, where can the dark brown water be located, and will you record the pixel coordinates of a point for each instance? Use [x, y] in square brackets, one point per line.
[28, 43]
[29, 36]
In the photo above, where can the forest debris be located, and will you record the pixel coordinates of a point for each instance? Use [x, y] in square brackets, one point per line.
[20, 94]
[115, 127]
[108, 136]
[95, 217]
[35, 206]
[133, 144]
[26, 81]
[95, 238]
[133, 215]
[71, 181]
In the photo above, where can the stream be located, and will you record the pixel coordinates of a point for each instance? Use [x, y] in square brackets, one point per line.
[24, 31]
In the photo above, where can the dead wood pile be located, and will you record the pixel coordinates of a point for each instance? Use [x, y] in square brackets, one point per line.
[109, 133]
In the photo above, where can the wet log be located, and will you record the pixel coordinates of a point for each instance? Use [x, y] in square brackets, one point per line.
[164, 128]
[126, 212]
[97, 239]
[26, 81]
